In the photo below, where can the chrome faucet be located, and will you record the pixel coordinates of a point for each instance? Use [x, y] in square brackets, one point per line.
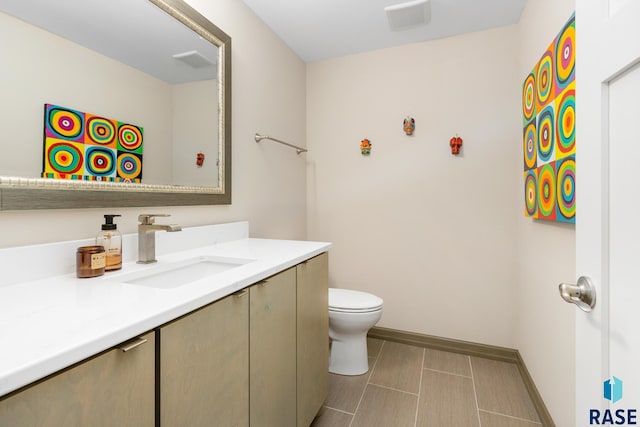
[147, 236]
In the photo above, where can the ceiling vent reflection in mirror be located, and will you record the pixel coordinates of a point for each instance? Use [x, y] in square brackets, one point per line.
[194, 59]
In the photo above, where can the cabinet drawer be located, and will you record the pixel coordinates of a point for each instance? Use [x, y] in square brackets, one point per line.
[113, 388]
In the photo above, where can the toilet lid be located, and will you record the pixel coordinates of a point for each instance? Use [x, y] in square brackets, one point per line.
[349, 300]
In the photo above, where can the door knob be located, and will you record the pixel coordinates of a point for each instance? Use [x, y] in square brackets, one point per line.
[583, 294]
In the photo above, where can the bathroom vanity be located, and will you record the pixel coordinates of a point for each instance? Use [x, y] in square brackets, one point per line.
[231, 345]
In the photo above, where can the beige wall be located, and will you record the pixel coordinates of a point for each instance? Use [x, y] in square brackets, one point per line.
[268, 181]
[195, 112]
[545, 325]
[430, 233]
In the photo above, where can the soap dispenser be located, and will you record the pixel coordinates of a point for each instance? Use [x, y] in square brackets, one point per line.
[111, 239]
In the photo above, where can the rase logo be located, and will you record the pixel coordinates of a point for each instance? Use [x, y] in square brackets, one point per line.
[612, 391]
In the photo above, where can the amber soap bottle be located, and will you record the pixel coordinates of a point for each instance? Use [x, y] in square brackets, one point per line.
[111, 239]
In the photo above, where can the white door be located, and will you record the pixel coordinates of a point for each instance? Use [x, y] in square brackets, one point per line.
[608, 208]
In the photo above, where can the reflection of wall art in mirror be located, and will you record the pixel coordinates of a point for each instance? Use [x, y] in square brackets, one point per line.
[83, 146]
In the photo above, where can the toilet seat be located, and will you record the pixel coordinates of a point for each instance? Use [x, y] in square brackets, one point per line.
[350, 301]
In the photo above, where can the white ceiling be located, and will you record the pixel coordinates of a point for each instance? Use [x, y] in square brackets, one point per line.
[322, 29]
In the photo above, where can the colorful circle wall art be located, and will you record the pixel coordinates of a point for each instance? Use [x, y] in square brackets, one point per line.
[63, 123]
[529, 98]
[531, 193]
[565, 48]
[100, 131]
[566, 189]
[63, 158]
[129, 167]
[545, 130]
[530, 146]
[129, 137]
[549, 131]
[547, 191]
[100, 161]
[566, 122]
[84, 146]
[545, 80]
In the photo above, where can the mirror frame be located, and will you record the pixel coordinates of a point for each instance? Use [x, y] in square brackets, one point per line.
[18, 193]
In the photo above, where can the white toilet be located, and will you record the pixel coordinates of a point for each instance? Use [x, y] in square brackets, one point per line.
[351, 315]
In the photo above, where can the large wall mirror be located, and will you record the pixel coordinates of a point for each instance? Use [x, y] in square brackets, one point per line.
[97, 91]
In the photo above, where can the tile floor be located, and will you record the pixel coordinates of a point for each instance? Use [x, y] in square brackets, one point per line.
[414, 386]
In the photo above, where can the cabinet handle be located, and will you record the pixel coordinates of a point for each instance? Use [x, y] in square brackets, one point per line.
[241, 293]
[130, 345]
[262, 283]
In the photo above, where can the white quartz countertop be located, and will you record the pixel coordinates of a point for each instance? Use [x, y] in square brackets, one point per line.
[54, 322]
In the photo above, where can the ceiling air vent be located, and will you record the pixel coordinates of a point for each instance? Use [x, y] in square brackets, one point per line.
[408, 15]
[193, 58]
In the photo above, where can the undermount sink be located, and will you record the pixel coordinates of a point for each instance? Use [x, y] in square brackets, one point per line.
[173, 275]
